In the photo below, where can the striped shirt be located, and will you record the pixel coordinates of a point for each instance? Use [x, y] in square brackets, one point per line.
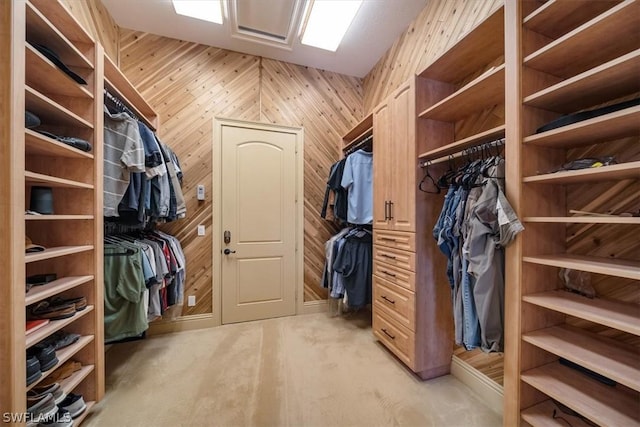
[123, 154]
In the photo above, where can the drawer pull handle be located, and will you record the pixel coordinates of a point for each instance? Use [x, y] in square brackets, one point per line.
[384, 297]
[388, 334]
[388, 256]
[387, 273]
[388, 238]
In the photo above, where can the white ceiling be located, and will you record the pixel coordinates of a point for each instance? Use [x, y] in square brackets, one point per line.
[376, 26]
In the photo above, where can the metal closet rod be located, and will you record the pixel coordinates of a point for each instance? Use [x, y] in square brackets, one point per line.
[464, 152]
[358, 145]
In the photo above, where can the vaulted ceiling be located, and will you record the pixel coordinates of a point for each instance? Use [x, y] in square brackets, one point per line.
[270, 28]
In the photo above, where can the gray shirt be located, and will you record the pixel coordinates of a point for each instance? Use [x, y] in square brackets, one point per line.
[123, 154]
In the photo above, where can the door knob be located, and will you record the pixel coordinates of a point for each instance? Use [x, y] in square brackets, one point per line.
[228, 251]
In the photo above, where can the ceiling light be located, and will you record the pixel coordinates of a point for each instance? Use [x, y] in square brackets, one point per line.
[207, 10]
[328, 21]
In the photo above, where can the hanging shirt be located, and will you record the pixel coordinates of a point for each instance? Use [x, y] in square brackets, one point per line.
[123, 154]
[357, 178]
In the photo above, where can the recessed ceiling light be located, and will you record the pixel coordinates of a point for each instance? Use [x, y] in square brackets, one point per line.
[328, 21]
[207, 10]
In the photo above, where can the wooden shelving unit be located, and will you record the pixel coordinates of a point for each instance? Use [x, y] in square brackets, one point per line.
[360, 131]
[460, 105]
[73, 235]
[571, 56]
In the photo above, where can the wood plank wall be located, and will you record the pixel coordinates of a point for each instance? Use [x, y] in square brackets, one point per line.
[97, 20]
[439, 26]
[189, 84]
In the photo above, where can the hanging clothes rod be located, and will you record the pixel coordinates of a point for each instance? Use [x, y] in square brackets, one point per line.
[358, 145]
[465, 152]
[120, 104]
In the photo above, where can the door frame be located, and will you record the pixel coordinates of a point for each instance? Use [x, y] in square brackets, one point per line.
[216, 198]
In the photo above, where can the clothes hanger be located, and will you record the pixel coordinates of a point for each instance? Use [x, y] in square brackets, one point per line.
[433, 181]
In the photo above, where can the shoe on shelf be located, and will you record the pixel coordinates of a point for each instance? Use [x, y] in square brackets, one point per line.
[62, 418]
[33, 369]
[74, 403]
[40, 391]
[80, 303]
[46, 310]
[42, 410]
[46, 354]
[63, 372]
[61, 339]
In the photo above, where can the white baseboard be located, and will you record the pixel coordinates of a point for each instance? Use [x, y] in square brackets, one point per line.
[187, 323]
[490, 392]
[313, 307]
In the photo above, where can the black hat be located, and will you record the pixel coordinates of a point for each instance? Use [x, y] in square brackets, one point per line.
[53, 57]
[41, 200]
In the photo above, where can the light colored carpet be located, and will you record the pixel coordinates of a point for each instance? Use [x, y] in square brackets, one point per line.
[313, 370]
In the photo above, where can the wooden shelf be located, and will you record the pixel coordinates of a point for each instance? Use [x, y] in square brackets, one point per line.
[41, 71]
[614, 314]
[63, 355]
[485, 91]
[630, 170]
[599, 403]
[40, 292]
[52, 181]
[603, 355]
[55, 325]
[56, 252]
[50, 112]
[37, 144]
[557, 17]
[541, 415]
[475, 50]
[609, 35]
[457, 146]
[118, 83]
[41, 31]
[607, 127]
[612, 267]
[69, 384]
[357, 140]
[585, 219]
[365, 125]
[608, 81]
[65, 21]
[58, 217]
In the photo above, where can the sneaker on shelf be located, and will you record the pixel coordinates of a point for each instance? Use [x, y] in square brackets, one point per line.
[61, 339]
[42, 410]
[54, 389]
[47, 310]
[74, 403]
[46, 354]
[33, 369]
[62, 418]
[80, 303]
[63, 372]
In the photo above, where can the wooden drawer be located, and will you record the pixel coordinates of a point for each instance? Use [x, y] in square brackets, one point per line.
[396, 338]
[398, 304]
[398, 276]
[395, 239]
[395, 257]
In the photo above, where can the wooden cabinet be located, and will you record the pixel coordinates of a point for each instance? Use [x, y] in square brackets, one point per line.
[394, 183]
[72, 234]
[571, 56]
[408, 302]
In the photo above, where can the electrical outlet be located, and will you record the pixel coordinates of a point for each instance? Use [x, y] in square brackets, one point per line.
[191, 300]
[201, 230]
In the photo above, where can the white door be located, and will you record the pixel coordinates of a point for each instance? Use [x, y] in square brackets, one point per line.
[259, 221]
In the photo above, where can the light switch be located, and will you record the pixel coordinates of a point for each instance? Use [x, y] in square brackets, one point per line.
[200, 191]
[191, 300]
[201, 230]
